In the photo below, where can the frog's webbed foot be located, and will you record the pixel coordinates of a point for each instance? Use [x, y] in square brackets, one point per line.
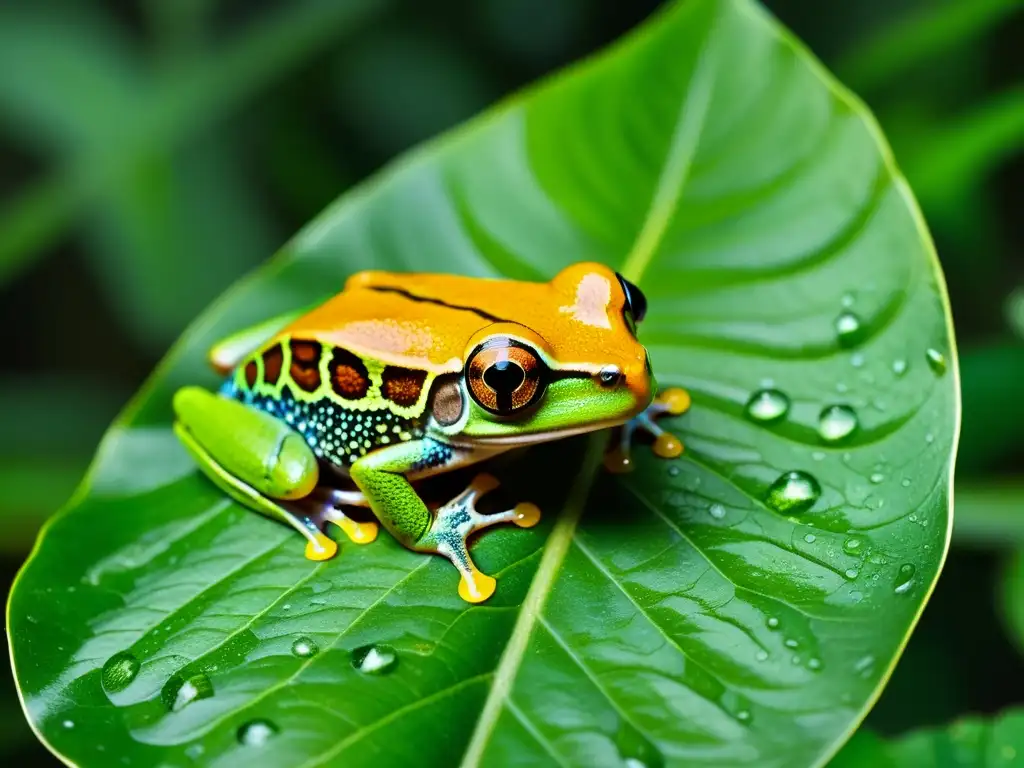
[672, 401]
[457, 520]
[323, 506]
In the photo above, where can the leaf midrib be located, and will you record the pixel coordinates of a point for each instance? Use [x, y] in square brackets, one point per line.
[668, 190]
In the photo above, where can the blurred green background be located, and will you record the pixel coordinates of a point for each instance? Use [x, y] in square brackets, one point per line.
[152, 151]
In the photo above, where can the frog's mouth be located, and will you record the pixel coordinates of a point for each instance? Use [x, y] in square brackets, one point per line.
[533, 438]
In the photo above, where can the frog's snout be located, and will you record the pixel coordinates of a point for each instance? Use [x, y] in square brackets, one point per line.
[640, 382]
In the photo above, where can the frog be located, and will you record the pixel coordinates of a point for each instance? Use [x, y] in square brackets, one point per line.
[350, 403]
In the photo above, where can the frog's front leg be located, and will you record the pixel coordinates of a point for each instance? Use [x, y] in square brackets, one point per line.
[263, 464]
[672, 401]
[381, 476]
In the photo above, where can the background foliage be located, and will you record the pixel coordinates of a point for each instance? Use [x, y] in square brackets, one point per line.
[151, 151]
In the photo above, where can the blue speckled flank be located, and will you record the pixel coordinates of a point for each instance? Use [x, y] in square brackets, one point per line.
[435, 454]
[336, 434]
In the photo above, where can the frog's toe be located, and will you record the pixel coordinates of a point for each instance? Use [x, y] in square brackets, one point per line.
[476, 587]
[457, 520]
[672, 401]
[357, 532]
[319, 546]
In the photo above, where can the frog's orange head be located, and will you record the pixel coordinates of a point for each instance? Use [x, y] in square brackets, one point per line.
[570, 362]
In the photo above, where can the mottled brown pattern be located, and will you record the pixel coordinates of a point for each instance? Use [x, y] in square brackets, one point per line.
[272, 361]
[447, 403]
[402, 386]
[349, 376]
[250, 374]
[305, 368]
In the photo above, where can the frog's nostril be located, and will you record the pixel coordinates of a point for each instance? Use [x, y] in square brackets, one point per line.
[610, 376]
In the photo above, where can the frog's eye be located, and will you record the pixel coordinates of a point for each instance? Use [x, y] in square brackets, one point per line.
[504, 375]
[636, 303]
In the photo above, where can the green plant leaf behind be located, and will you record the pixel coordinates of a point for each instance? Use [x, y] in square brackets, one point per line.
[706, 611]
[973, 742]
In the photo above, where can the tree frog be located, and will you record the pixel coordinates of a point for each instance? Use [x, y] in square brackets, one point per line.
[403, 376]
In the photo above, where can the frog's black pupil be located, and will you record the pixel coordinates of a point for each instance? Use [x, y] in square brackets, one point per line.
[636, 302]
[504, 377]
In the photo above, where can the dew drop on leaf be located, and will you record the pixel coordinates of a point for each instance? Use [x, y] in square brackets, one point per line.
[179, 692]
[767, 405]
[877, 478]
[847, 328]
[635, 749]
[256, 733]
[936, 361]
[810, 538]
[119, 671]
[852, 573]
[717, 511]
[904, 579]
[761, 655]
[899, 366]
[836, 422]
[68, 724]
[305, 647]
[773, 623]
[673, 470]
[814, 664]
[374, 659]
[792, 493]
[852, 546]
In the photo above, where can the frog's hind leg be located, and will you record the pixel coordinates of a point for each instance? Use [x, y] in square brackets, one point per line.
[673, 401]
[256, 459]
[318, 545]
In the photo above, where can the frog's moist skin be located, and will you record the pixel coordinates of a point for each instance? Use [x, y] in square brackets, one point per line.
[401, 376]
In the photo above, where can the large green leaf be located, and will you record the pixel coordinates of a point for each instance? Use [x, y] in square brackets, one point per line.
[689, 613]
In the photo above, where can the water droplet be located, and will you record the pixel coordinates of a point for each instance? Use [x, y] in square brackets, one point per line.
[852, 573]
[256, 733]
[194, 752]
[178, 693]
[899, 366]
[673, 470]
[792, 493]
[791, 643]
[841, 388]
[847, 329]
[761, 655]
[929, 438]
[773, 623]
[818, 455]
[68, 723]
[852, 546]
[877, 478]
[814, 664]
[374, 659]
[635, 749]
[864, 666]
[847, 300]
[743, 716]
[717, 511]
[767, 405]
[810, 538]
[936, 361]
[319, 587]
[119, 671]
[305, 647]
[905, 482]
[857, 360]
[904, 579]
[836, 422]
